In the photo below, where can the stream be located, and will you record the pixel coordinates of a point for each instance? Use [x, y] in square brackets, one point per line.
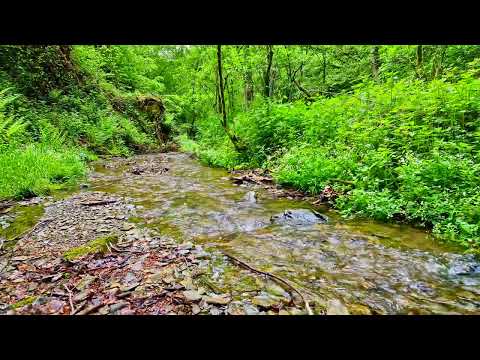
[371, 268]
[389, 269]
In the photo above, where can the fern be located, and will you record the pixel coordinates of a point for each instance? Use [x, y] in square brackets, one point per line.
[10, 128]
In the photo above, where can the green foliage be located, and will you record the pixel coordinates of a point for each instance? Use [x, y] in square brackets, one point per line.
[403, 151]
[11, 130]
[396, 134]
[37, 169]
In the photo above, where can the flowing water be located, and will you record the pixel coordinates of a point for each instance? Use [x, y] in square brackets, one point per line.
[390, 269]
[369, 267]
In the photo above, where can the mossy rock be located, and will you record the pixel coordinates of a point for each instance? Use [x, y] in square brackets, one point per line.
[99, 245]
[151, 104]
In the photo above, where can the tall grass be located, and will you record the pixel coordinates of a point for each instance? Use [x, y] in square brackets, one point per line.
[37, 169]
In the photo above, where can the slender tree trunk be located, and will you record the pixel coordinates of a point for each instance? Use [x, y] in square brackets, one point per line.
[419, 65]
[375, 60]
[221, 88]
[271, 87]
[324, 68]
[218, 105]
[268, 71]
[248, 89]
[437, 69]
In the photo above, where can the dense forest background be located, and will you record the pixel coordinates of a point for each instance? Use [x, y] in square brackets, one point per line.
[393, 129]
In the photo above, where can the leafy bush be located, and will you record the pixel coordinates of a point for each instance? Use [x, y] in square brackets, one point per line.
[405, 150]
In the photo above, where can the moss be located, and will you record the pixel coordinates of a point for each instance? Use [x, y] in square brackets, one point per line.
[26, 301]
[95, 246]
[25, 217]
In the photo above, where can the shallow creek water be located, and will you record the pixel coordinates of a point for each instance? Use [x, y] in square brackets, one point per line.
[387, 269]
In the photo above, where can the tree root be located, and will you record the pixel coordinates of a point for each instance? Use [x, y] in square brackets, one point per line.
[275, 277]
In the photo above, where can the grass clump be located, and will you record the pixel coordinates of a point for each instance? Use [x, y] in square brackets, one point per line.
[37, 169]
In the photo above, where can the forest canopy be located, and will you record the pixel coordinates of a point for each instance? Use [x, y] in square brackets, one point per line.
[393, 129]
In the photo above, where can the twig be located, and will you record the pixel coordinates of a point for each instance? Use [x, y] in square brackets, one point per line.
[283, 281]
[70, 299]
[94, 203]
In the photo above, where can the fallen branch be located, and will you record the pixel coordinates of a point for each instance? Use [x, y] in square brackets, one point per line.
[70, 299]
[95, 203]
[275, 277]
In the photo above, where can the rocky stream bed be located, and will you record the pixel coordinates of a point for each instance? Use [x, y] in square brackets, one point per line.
[162, 234]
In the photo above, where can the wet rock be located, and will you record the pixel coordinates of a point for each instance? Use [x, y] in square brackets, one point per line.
[196, 309]
[186, 246]
[250, 309]
[85, 281]
[295, 311]
[235, 308]
[118, 306]
[277, 290]
[215, 311]
[216, 299]
[192, 295]
[335, 307]
[104, 310]
[463, 268]
[298, 217]
[265, 300]
[81, 296]
[250, 197]
[127, 226]
[357, 309]
[201, 290]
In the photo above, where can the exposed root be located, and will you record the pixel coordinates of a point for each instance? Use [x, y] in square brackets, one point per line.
[275, 277]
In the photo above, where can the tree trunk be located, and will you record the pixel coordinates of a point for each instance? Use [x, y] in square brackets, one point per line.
[248, 89]
[267, 82]
[324, 69]
[221, 88]
[375, 60]
[419, 64]
[437, 69]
